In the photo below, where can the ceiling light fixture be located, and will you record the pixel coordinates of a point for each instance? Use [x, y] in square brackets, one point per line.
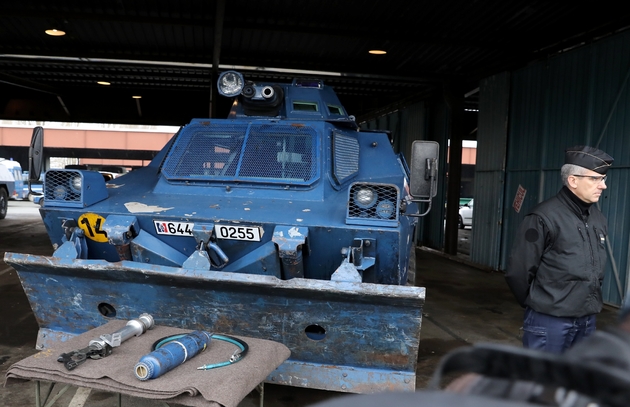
[55, 32]
[377, 52]
[137, 97]
[103, 83]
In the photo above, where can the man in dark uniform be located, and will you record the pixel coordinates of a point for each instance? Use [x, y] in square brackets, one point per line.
[556, 266]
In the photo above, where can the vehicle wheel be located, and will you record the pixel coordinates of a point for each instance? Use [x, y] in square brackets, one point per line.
[4, 203]
[460, 223]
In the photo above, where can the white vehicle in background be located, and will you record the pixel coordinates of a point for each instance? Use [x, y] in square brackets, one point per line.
[15, 169]
[7, 186]
[466, 214]
[37, 188]
[109, 172]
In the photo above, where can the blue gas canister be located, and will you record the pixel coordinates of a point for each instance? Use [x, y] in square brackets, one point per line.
[172, 354]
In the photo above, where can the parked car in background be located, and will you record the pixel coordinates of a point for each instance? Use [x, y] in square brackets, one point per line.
[109, 172]
[37, 188]
[7, 186]
[16, 169]
[466, 214]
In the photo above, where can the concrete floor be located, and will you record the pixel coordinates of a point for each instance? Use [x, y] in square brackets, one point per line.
[464, 305]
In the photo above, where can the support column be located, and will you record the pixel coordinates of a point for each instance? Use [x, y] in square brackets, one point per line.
[454, 97]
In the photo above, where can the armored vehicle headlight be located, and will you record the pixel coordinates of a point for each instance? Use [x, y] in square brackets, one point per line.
[373, 204]
[76, 183]
[365, 197]
[385, 209]
[60, 192]
[230, 83]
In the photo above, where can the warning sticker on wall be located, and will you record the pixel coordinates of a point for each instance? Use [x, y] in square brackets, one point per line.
[519, 198]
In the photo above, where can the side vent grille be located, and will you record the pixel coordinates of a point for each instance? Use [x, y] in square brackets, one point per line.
[345, 157]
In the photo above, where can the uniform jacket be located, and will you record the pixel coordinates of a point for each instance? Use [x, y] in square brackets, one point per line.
[557, 262]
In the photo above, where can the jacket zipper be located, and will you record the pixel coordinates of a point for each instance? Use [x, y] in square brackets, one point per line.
[590, 243]
[585, 238]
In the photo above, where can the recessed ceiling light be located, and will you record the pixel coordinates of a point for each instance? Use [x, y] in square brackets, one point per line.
[103, 83]
[55, 32]
[377, 52]
[137, 97]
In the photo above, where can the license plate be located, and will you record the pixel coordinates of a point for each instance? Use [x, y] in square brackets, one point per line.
[173, 228]
[249, 233]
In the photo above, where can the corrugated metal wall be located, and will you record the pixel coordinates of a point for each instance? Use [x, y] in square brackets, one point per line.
[406, 125]
[494, 96]
[580, 97]
[409, 124]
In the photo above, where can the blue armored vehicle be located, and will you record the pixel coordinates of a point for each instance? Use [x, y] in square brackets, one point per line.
[284, 222]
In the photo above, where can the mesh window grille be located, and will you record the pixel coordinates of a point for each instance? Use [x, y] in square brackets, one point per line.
[379, 202]
[59, 186]
[265, 152]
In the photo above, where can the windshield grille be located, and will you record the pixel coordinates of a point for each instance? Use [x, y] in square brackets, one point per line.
[254, 152]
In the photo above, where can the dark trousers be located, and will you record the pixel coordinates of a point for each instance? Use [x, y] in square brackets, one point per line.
[554, 334]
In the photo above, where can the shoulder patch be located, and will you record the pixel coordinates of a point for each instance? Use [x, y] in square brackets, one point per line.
[531, 235]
